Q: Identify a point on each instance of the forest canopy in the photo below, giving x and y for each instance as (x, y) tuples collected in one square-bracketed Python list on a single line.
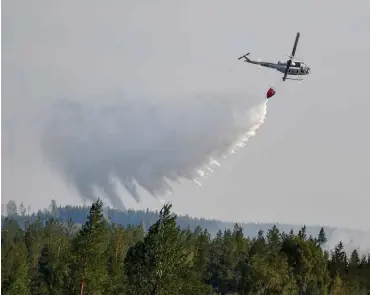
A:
[(51, 254)]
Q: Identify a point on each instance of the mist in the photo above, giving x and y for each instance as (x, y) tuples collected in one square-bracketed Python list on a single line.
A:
[(145, 142)]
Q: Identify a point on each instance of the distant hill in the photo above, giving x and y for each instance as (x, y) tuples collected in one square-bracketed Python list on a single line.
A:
[(350, 238), (135, 217)]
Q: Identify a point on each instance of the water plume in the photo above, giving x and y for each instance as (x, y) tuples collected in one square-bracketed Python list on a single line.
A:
[(145, 143)]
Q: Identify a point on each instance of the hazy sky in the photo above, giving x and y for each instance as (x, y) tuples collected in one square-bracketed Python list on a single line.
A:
[(309, 162)]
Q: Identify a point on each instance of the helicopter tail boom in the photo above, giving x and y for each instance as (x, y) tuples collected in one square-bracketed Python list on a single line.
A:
[(245, 56)]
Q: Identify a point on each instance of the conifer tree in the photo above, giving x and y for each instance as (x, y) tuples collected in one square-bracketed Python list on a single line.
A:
[(118, 248), (161, 264), (355, 258), (322, 237), (90, 253)]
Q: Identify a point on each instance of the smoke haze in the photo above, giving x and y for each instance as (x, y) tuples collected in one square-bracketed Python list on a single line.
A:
[(351, 239), (138, 142), (309, 164)]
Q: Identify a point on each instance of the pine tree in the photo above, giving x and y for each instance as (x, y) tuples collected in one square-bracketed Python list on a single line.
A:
[(338, 262), (322, 237), (355, 258), (215, 256), (90, 253), (302, 234), (117, 252), (274, 239), (354, 283), (161, 264), (314, 274), (202, 255)]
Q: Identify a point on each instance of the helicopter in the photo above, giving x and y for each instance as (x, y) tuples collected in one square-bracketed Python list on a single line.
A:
[(290, 67)]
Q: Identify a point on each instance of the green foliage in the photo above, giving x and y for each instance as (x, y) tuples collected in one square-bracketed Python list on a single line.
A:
[(146, 218), (53, 208), (322, 237), (52, 257), (90, 252), (161, 263), (118, 246), (14, 269)]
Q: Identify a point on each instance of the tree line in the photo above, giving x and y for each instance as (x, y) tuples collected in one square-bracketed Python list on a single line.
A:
[(147, 217), (101, 257)]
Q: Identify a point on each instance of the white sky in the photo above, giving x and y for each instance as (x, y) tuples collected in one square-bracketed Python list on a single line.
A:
[(310, 161)]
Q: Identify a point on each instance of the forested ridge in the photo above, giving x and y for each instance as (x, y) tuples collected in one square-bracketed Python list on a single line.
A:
[(78, 214), (50, 255)]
